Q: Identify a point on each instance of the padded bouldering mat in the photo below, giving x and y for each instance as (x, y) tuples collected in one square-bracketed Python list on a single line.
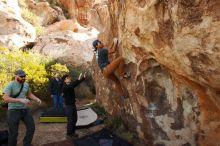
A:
[(101, 138), (85, 117)]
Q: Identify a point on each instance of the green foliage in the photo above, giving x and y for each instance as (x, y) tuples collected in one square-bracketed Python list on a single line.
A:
[(58, 68), (33, 64)]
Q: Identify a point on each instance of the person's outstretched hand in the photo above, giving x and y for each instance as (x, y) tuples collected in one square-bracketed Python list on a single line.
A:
[(80, 76), (115, 40), (38, 101)]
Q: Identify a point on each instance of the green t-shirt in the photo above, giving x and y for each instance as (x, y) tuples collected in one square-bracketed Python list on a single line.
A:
[(12, 89)]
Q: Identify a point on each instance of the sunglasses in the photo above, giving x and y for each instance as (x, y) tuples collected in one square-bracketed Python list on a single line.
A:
[(22, 76)]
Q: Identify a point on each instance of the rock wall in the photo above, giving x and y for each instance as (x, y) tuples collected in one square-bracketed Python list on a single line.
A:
[(67, 46), (45, 12), (172, 49), (88, 13)]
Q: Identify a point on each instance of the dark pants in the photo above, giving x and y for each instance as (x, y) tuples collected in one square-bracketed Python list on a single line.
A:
[(14, 117), (71, 113), (57, 102)]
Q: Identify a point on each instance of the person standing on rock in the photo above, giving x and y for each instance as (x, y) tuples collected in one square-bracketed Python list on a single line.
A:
[(109, 68), (69, 96), (15, 94), (56, 92)]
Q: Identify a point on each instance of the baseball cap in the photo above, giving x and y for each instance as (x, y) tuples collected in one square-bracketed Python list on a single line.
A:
[(20, 72)]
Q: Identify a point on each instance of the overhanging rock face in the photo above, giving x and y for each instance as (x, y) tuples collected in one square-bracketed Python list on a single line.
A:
[(172, 50)]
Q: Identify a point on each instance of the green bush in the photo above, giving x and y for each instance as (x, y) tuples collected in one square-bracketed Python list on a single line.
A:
[(58, 68), (35, 65), (32, 64)]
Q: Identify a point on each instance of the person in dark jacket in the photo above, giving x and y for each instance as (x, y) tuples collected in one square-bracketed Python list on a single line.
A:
[(69, 96), (56, 92)]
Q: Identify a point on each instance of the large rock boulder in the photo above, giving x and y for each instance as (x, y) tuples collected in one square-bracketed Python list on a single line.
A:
[(14, 30), (67, 46), (88, 13), (46, 13), (63, 25), (172, 49), (70, 6), (99, 17)]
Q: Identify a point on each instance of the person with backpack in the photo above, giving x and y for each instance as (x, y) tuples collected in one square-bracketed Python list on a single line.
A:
[(15, 94), (109, 68)]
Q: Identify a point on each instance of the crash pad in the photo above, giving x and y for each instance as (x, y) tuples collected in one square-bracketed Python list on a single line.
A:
[(101, 138), (85, 117)]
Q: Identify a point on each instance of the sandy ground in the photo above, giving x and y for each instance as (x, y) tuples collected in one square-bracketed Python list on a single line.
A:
[(51, 132), (46, 133)]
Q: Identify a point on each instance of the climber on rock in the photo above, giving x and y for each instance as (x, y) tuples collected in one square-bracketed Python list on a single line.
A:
[(109, 68)]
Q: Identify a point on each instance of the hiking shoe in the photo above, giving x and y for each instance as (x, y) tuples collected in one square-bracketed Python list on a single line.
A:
[(124, 97)]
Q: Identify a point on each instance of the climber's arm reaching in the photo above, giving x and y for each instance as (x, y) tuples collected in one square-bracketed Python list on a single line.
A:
[(113, 46)]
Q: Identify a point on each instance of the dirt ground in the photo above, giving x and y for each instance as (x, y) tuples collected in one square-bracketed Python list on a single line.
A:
[(46, 133)]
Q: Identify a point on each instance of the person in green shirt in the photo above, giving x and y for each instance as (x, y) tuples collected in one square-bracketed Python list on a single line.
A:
[(15, 94)]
